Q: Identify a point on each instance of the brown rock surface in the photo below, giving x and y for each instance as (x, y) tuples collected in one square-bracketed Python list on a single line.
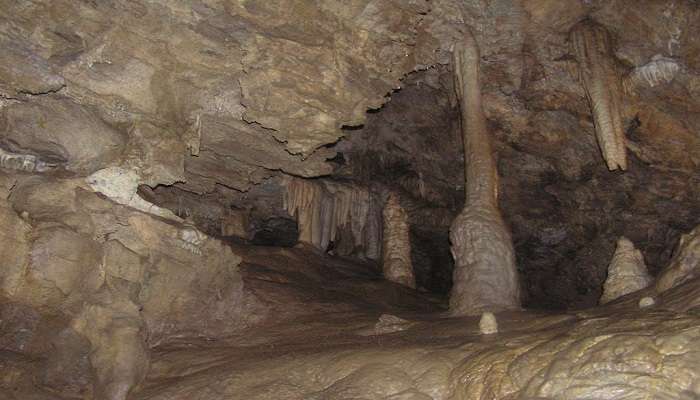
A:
[(396, 244), (136, 135)]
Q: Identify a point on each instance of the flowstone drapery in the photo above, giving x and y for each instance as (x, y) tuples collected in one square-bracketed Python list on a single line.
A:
[(485, 277), (328, 212), (396, 250), (591, 45)]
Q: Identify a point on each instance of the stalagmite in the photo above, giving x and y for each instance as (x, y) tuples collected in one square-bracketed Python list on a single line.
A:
[(488, 325), (324, 209), (627, 272), (591, 45), (485, 277), (396, 250), (647, 301)]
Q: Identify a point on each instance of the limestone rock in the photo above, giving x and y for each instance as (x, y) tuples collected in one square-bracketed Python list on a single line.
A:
[(156, 152), (396, 249), (120, 185), (684, 265), (213, 103), (113, 271), (235, 223), (203, 74), (24, 71), (60, 264), (59, 131), (117, 336), (68, 370), (627, 272), (14, 249)]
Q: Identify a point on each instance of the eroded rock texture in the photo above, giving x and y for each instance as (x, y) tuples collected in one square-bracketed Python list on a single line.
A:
[(119, 278), (685, 264), (485, 277), (147, 150), (396, 244)]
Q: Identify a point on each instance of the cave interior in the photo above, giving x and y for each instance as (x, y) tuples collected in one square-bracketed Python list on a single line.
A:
[(214, 199)]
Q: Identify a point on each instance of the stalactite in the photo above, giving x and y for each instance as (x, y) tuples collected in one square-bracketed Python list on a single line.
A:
[(396, 249), (660, 70), (627, 272), (485, 277), (591, 45), (323, 209), (23, 162)]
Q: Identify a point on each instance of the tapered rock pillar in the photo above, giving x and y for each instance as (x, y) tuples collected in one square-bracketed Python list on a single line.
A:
[(396, 250), (591, 45), (627, 272), (485, 277)]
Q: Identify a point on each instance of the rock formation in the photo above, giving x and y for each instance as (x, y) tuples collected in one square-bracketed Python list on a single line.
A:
[(329, 212), (658, 71), (592, 47), (685, 264), (627, 272), (121, 185), (151, 153), (485, 277), (488, 325), (396, 245), (121, 279), (647, 301)]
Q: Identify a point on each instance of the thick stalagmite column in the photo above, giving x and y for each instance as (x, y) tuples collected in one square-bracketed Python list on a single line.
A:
[(396, 250), (592, 48), (485, 277)]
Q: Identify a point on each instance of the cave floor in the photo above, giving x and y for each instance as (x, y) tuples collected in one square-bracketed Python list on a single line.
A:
[(341, 332)]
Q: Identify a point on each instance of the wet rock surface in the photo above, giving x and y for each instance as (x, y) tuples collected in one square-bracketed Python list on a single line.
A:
[(425, 356)]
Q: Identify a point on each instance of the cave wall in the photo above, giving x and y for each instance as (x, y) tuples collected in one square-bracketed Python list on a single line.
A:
[(212, 103), (136, 135), (185, 87), (566, 210)]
